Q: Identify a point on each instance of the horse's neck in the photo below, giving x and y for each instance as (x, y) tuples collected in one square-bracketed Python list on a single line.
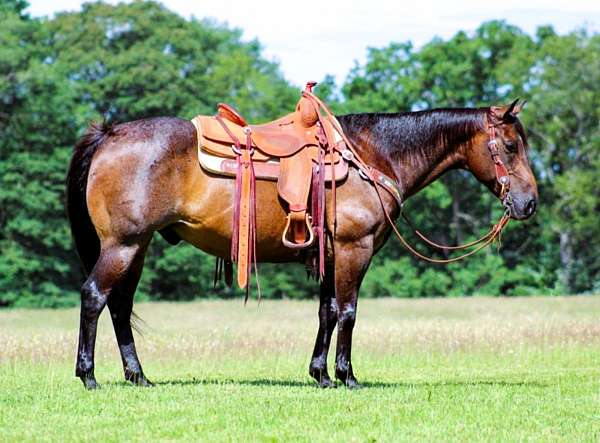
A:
[(413, 174), (416, 167)]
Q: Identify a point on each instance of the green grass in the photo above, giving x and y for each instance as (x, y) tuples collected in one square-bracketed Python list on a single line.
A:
[(446, 369)]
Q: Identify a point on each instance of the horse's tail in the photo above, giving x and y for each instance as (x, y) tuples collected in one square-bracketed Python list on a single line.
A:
[(82, 229)]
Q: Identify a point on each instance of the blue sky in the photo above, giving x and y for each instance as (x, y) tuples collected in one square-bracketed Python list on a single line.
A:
[(330, 38)]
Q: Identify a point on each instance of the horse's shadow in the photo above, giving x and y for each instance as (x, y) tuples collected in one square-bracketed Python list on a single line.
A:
[(364, 385)]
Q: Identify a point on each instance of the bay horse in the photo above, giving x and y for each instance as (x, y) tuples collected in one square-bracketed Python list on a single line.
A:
[(129, 180)]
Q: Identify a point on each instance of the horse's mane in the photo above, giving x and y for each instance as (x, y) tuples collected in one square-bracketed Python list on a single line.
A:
[(422, 134)]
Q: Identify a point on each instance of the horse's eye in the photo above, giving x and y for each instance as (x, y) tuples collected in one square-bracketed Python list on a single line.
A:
[(511, 146)]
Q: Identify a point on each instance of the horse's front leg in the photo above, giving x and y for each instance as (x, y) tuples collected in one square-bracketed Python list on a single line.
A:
[(351, 262), (328, 316)]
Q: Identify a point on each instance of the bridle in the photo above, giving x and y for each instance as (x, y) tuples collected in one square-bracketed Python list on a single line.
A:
[(374, 176), (502, 174)]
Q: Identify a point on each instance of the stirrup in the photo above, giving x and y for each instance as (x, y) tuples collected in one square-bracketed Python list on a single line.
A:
[(293, 245)]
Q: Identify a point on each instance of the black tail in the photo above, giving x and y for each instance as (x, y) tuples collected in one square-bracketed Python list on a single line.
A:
[(82, 229)]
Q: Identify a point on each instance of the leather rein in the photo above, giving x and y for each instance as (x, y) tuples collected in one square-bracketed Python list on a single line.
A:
[(380, 180)]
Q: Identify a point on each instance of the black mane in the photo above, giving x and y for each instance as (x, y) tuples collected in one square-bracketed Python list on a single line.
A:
[(426, 134)]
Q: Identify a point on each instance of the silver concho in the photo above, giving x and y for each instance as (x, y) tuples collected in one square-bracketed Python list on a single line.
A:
[(347, 155)]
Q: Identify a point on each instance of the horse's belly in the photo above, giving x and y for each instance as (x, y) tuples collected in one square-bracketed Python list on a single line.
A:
[(209, 220)]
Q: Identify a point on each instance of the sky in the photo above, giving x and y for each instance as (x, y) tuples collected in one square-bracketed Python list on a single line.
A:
[(335, 35)]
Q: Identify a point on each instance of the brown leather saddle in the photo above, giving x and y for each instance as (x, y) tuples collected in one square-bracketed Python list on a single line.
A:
[(301, 151)]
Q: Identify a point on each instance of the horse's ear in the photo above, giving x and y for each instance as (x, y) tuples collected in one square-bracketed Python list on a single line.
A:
[(507, 114), (513, 110), (519, 107)]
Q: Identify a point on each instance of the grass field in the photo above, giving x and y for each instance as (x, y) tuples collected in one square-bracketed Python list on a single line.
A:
[(438, 369)]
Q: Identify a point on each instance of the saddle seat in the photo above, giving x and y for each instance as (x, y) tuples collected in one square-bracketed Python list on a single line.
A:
[(279, 138)]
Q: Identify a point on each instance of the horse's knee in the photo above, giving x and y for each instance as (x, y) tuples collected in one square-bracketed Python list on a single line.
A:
[(347, 316), (92, 299), (333, 310)]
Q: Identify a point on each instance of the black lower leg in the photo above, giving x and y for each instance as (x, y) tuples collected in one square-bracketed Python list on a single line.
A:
[(120, 312), (92, 304), (113, 280), (120, 304), (327, 322), (343, 360)]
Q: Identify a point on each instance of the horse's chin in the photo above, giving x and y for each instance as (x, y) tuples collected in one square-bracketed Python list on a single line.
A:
[(518, 217)]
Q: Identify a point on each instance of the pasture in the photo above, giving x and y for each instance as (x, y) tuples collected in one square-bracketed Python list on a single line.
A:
[(431, 369)]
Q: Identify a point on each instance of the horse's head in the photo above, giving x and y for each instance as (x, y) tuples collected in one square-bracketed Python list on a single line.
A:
[(505, 146)]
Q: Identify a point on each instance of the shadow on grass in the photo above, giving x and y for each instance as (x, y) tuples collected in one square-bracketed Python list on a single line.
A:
[(364, 385)]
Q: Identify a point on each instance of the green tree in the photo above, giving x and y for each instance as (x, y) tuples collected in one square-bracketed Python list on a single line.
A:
[(566, 134)]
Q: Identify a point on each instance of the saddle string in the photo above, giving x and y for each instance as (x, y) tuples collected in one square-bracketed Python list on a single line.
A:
[(320, 192), (251, 258), (238, 189), (502, 176)]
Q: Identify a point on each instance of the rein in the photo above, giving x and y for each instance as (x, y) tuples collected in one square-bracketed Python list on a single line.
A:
[(374, 176)]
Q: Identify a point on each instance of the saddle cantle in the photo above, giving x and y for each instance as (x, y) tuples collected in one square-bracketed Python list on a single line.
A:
[(301, 151)]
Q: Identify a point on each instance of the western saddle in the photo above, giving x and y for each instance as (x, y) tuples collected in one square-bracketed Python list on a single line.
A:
[(301, 151)]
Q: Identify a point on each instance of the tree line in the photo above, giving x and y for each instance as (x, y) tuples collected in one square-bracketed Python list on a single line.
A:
[(138, 60)]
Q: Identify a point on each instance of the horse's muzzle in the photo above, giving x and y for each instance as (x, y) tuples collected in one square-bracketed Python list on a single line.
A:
[(521, 208)]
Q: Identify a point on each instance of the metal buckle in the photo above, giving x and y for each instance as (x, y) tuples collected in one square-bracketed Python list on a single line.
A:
[(347, 155), (239, 151)]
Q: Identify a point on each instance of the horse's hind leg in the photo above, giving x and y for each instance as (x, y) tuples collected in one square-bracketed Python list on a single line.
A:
[(120, 305), (111, 274), (327, 322)]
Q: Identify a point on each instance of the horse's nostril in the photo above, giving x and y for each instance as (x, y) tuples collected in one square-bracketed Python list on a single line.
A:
[(530, 208)]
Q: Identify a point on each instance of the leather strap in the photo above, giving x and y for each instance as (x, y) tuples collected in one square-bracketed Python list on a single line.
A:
[(502, 175), (243, 257), (243, 241)]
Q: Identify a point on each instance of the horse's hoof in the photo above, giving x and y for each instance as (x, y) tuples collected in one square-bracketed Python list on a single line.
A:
[(321, 376), (90, 383), (351, 383), (145, 383), (326, 383), (347, 379), (138, 379)]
